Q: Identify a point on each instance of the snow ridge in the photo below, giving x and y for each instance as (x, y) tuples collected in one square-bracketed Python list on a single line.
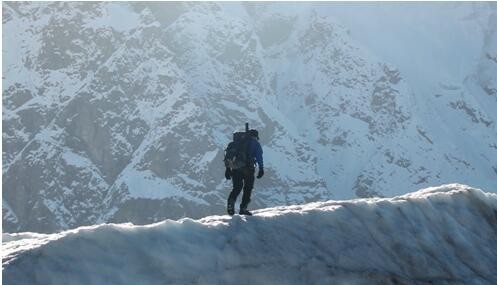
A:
[(442, 235)]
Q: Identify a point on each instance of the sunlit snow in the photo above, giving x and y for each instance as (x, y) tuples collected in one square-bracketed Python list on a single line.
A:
[(440, 235)]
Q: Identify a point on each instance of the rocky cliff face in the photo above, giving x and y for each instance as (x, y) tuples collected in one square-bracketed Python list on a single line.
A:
[(111, 120)]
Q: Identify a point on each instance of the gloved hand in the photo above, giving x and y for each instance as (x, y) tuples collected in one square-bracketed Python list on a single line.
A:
[(261, 173), (227, 173)]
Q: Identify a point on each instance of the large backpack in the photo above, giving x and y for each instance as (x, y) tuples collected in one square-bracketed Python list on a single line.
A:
[(236, 154)]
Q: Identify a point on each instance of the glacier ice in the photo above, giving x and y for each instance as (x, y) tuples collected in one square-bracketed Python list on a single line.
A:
[(438, 235)]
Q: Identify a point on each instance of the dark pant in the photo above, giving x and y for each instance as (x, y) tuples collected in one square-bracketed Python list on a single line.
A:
[(242, 178)]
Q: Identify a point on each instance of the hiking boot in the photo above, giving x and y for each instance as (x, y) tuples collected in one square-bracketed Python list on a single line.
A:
[(245, 212), (231, 208)]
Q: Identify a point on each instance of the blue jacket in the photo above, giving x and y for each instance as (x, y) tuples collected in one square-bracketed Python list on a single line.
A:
[(255, 152)]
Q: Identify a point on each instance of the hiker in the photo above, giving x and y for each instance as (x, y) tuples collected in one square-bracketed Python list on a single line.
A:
[(250, 150)]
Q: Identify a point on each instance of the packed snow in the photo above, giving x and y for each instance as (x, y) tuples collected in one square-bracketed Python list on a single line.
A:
[(442, 235)]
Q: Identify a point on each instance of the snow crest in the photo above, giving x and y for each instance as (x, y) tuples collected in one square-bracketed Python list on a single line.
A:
[(442, 235)]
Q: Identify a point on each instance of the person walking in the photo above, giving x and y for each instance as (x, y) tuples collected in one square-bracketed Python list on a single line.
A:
[(243, 177)]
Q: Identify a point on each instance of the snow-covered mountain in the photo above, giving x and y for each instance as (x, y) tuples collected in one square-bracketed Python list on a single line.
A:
[(106, 120), (442, 235)]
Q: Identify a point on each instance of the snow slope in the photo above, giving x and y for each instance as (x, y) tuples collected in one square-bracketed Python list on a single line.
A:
[(442, 235)]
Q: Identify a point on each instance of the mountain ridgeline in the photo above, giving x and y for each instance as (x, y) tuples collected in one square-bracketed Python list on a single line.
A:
[(106, 120)]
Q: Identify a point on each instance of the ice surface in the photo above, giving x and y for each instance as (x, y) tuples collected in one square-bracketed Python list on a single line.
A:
[(439, 235)]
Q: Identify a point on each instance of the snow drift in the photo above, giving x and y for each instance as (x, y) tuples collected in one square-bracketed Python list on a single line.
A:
[(442, 235)]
